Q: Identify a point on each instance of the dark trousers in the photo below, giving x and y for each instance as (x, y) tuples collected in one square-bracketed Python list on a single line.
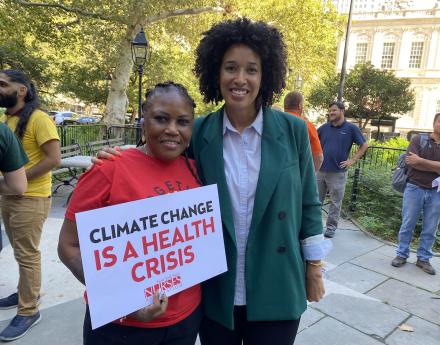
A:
[(248, 332), (182, 333)]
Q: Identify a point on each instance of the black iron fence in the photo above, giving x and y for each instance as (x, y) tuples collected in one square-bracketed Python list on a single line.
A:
[(379, 157), (372, 174), (82, 134), (129, 133)]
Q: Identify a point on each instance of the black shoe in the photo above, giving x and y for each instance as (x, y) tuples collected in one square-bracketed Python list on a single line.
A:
[(12, 301), (398, 261), (19, 326)]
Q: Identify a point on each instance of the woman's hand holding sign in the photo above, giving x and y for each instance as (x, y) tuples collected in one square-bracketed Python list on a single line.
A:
[(158, 308)]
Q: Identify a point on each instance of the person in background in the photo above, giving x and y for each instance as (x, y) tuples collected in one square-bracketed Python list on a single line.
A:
[(337, 137), (24, 215), (294, 104), (12, 160), (420, 197), (169, 114)]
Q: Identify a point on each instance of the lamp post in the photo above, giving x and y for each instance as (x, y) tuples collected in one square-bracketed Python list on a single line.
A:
[(139, 54), (344, 59)]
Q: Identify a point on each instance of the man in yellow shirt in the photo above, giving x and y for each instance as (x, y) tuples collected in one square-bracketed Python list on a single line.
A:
[(24, 215)]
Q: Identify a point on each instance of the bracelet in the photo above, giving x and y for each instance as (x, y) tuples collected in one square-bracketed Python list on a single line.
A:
[(316, 264)]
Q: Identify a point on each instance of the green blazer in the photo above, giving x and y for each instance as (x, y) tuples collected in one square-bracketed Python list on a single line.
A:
[(286, 210)]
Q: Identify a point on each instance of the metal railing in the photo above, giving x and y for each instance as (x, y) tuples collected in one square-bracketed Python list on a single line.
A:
[(129, 133), (372, 170), (380, 157), (82, 134)]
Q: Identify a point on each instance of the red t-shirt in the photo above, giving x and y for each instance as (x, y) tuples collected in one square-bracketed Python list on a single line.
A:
[(132, 177)]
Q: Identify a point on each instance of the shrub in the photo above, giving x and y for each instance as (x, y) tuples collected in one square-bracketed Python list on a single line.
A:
[(378, 207)]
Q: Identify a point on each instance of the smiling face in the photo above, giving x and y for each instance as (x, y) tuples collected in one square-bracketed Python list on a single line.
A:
[(240, 78), (168, 125), (335, 114)]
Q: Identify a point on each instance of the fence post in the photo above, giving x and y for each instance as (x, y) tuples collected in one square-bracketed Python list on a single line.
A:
[(354, 189), (63, 136)]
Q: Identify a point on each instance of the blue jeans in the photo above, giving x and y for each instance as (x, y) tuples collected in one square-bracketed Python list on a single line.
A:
[(418, 200)]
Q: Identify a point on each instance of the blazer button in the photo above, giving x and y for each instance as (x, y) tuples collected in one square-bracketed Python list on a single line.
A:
[(281, 249), (281, 215)]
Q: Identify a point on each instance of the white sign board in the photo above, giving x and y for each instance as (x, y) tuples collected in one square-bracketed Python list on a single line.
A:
[(169, 242)]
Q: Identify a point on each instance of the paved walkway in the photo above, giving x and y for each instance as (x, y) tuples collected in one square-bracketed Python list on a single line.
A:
[(367, 299)]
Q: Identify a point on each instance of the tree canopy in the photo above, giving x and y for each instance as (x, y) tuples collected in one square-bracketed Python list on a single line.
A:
[(82, 49), (370, 93)]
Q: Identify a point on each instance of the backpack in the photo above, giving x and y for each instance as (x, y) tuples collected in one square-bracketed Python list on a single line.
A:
[(399, 177)]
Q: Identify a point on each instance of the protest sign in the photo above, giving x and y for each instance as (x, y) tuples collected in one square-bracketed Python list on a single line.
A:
[(169, 242)]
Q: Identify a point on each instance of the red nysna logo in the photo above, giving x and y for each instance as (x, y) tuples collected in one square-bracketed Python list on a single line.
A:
[(168, 284)]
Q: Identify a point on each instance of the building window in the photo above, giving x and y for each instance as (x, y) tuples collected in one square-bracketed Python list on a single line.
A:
[(388, 55), (415, 58), (361, 53)]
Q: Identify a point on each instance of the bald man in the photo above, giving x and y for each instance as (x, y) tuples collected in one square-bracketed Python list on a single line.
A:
[(294, 104)]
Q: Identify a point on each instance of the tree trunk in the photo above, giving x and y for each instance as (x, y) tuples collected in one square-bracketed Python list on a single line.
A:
[(117, 100), (365, 123)]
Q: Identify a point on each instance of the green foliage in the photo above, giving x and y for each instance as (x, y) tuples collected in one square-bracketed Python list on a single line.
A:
[(75, 52), (378, 206), (394, 143), (370, 93)]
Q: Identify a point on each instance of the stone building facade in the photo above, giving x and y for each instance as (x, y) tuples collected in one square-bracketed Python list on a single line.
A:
[(402, 36)]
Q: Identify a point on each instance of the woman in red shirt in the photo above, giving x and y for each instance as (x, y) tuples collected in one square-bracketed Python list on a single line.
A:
[(155, 168)]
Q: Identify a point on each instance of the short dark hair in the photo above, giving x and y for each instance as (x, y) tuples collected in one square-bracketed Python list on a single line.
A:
[(265, 40), (293, 100), (166, 86), (436, 117), (340, 105)]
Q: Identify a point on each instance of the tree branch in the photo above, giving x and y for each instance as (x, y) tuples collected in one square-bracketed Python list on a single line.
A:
[(183, 12), (78, 11)]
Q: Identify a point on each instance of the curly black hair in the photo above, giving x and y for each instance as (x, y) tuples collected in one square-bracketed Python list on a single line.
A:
[(263, 39)]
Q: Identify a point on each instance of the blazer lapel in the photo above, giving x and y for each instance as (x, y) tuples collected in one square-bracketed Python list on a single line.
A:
[(214, 170), (272, 157)]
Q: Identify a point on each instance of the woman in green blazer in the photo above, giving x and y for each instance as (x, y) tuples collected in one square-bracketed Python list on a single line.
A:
[(262, 163)]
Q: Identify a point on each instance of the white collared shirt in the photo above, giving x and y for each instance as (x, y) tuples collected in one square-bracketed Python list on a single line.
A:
[(242, 158)]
